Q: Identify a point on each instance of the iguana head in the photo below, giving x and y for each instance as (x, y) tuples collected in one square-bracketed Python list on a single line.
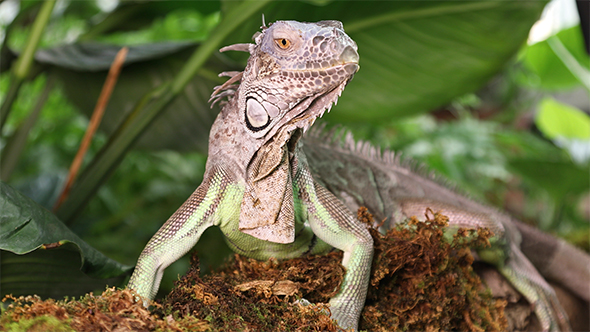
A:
[(296, 63), (295, 72)]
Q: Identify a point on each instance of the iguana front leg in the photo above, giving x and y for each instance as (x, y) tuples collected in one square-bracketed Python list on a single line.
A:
[(333, 222), (179, 234)]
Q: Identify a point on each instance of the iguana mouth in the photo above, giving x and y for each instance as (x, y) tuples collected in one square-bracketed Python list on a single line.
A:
[(349, 67), (347, 61)]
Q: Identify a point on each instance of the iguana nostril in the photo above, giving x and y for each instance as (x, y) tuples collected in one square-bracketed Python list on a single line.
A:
[(351, 68), (349, 55)]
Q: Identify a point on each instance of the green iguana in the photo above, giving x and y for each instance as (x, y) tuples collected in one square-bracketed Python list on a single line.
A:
[(275, 195)]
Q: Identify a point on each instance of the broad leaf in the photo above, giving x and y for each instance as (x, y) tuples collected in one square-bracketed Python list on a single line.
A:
[(567, 126), (415, 56), (556, 119), (49, 274), (25, 226), (559, 178), (94, 57)]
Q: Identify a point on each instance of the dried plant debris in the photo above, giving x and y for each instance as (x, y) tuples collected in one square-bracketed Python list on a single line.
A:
[(249, 295), (422, 280), (114, 310)]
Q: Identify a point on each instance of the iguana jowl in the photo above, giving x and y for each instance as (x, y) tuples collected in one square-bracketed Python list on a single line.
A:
[(260, 190)]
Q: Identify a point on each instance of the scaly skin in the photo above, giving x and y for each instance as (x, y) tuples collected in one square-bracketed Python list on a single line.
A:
[(270, 202), (361, 175), (258, 187)]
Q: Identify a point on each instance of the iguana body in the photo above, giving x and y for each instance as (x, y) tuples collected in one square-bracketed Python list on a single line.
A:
[(259, 189)]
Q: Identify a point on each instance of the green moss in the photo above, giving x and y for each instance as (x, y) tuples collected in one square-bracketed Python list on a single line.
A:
[(38, 324)]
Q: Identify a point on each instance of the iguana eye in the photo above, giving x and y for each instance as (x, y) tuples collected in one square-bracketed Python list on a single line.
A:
[(283, 43)]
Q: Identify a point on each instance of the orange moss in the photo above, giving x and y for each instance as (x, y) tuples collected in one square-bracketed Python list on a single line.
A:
[(113, 310), (419, 282), (260, 296)]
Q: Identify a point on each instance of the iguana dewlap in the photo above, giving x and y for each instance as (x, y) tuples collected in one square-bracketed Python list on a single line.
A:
[(259, 189)]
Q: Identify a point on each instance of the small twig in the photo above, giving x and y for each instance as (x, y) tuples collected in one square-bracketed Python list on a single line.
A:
[(97, 114)]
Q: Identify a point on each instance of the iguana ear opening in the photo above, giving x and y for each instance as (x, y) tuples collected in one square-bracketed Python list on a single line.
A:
[(259, 115), (256, 116)]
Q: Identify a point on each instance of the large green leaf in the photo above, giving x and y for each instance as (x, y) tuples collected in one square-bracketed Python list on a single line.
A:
[(49, 274), (25, 226), (559, 178), (415, 55), (558, 120), (95, 57)]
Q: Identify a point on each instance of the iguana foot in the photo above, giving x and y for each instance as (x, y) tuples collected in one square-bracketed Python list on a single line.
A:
[(343, 316), (344, 320), (525, 278), (338, 315)]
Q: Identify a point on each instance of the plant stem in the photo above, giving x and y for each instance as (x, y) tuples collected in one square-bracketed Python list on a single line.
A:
[(569, 61), (22, 65), (95, 120), (18, 141), (230, 22)]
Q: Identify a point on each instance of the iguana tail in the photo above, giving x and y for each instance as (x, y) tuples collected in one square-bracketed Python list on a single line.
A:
[(557, 260)]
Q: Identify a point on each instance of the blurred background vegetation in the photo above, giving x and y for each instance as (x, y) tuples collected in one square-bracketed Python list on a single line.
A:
[(464, 87)]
